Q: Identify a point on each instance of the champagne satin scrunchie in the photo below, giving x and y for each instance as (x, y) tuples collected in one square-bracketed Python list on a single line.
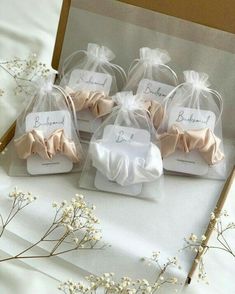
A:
[(156, 112), (97, 102), (34, 142), (203, 140), (117, 166)]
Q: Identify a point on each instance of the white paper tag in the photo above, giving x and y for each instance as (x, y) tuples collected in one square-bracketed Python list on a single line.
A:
[(48, 122), (89, 80), (122, 139), (188, 119), (153, 90), (92, 81)]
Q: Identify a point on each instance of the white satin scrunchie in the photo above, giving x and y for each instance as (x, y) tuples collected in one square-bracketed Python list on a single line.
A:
[(119, 168)]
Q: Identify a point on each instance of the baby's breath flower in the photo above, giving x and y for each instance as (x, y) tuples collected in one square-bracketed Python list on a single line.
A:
[(106, 284), (212, 215), (25, 72), (200, 249), (193, 238), (175, 280), (203, 238), (55, 204), (74, 223), (20, 200)]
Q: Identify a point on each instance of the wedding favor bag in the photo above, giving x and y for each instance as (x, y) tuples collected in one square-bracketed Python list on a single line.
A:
[(191, 132), (152, 79), (150, 75), (122, 157), (89, 77), (45, 139)]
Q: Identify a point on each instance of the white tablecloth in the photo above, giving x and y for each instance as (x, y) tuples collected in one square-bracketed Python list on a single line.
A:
[(29, 26)]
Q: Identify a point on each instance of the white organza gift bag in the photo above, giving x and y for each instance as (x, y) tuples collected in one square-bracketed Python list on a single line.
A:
[(90, 77), (150, 76), (96, 59), (191, 132), (46, 141), (122, 157)]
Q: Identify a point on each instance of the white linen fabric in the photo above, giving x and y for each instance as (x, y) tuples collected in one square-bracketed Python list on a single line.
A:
[(30, 27)]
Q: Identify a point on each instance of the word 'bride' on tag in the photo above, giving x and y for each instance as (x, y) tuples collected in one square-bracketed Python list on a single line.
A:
[(122, 157), (129, 144)]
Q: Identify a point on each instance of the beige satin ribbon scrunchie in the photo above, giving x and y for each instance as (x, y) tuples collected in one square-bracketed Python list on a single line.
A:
[(33, 142), (117, 166), (97, 102), (156, 112), (203, 140)]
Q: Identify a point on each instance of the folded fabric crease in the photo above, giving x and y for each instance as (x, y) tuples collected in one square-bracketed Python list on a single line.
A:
[(156, 112)]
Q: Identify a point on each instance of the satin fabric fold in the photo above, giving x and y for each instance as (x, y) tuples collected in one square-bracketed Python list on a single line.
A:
[(119, 168), (33, 142), (97, 102), (202, 140), (156, 112)]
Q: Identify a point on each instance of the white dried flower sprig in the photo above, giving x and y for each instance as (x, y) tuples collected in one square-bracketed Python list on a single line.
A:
[(200, 247), (163, 277), (106, 283), (24, 72), (20, 201), (73, 226)]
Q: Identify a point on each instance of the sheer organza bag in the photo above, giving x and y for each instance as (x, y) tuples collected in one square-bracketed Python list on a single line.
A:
[(46, 140), (89, 76), (122, 157), (152, 79), (190, 135), (150, 75)]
